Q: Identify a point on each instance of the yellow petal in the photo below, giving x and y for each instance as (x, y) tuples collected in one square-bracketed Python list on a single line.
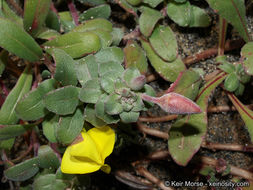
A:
[(104, 137), (106, 168), (77, 165), (87, 149)]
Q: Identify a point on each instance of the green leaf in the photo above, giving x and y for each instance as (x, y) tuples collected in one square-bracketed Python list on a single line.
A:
[(234, 12), (107, 81), (231, 82), (105, 37), (10, 131), (70, 127), (109, 67), (164, 43), (101, 11), (23, 170), (247, 54), (66, 21), (47, 34), (23, 85), (133, 78), (35, 13), (7, 144), (109, 54), (86, 69), (49, 181), (93, 2), (15, 40), (117, 35), (47, 158), (112, 105), (168, 70), (31, 106), (187, 15), (8, 13), (129, 117), (65, 71), (246, 113), (100, 111), (90, 116), (152, 3), (227, 67), (76, 44), (148, 19), (135, 57), (187, 133), (3, 60), (188, 84), (90, 91), (52, 21), (62, 101), (241, 74), (49, 125), (94, 24), (134, 2)]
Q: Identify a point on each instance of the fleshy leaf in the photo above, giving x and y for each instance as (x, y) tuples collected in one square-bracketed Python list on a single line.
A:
[(86, 69), (10, 131), (133, 78), (49, 127), (108, 79), (187, 15), (187, 84), (148, 19), (100, 111), (90, 116), (105, 37), (90, 92), (7, 112), (76, 44), (35, 13), (110, 67), (117, 35), (164, 43), (62, 101), (94, 24), (135, 57), (47, 157), (47, 34), (53, 21), (168, 70), (246, 113), (65, 68), (113, 54), (112, 105), (8, 13), (101, 11), (49, 181), (129, 117), (15, 40), (66, 21), (234, 12), (247, 54), (152, 3), (187, 133), (31, 106), (231, 82), (23, 170), (69, 127)]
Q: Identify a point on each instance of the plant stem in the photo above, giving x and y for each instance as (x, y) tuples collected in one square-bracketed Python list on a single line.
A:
[(126, 8), (229, 46), (73, 12), (154, 132), (230, 147), (24, 154), (158, 119), (222, 35), (145, 173)]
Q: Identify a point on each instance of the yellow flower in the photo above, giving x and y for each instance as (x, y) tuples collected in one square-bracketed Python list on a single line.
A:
[(89, 155)]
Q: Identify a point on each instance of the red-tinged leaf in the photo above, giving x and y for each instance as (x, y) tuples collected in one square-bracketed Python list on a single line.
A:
[(234, 12), (174, 103), (246, 113), (247, 54), (187, 133), (35, 13)]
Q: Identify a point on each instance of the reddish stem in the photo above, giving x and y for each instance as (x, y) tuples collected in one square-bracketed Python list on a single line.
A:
[(73, 12), (230, 147), (154, 132)]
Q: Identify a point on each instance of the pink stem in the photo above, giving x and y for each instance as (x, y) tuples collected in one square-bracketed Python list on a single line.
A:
[(73, 12), (149, 98)]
